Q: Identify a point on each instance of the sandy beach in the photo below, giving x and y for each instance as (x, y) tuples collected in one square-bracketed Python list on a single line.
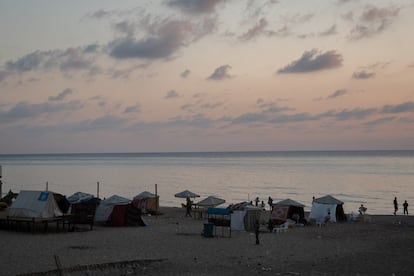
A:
[(172, 244)]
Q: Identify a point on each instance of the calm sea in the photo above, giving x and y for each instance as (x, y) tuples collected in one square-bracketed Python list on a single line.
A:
[(372, 178)]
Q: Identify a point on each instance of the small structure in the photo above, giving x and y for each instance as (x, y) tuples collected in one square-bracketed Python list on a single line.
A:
[(244, 216), (147, 202), (83, 208), (36, 207), (118, 211), (287, 209), (327, 208), (220, 217)]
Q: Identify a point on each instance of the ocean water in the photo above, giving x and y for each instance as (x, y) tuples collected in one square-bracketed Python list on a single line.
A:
[(372, 178)]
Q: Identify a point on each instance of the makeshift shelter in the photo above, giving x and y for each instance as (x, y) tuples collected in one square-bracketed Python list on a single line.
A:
[(244, 216), (327, 204), (287, 209), (83, 208), (118, 211), (35, 204), (147, 202)]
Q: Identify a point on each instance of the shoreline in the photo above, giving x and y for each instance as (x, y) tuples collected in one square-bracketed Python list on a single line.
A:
[(172, 244)]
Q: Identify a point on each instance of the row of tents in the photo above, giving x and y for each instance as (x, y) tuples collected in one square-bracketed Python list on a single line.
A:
[(85, 208), (120, 211), (244, 214)]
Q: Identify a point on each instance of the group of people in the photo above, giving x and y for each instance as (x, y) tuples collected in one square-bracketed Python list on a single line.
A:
[(262, 204), (405, 207)]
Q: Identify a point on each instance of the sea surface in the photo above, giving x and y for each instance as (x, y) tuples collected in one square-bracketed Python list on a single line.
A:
[(372, 178)]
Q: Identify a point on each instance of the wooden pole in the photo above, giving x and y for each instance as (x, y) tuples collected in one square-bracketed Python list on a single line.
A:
[(58, 265), (97, 189), (156, 197), (1, 183)]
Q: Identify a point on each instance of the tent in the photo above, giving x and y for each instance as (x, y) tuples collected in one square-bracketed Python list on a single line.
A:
[(83, 208), (35, 204), (327, 204), (244, 216), (147, 202), (106, 206), (118, 211), (79, 197), (287, 209), (210, 201)]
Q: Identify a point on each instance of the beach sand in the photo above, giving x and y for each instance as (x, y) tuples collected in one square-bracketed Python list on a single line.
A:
[(172, 244)]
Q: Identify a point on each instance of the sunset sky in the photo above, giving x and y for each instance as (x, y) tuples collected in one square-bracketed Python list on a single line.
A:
[(206, 75)]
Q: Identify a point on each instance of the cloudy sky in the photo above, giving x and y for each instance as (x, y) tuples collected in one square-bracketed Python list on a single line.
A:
[(206, 75)]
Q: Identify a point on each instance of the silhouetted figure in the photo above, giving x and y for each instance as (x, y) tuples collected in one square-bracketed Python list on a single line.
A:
[(256, 230), (257, 201), (395, 206), (405, 205), (188, 207), (270, 202), (362, 210)]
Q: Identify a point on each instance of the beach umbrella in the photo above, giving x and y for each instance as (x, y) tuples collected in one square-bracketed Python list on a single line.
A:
[(211, 201), (185, 194)]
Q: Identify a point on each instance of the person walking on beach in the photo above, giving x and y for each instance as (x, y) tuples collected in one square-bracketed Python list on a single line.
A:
[(405, 205), (395, 206)]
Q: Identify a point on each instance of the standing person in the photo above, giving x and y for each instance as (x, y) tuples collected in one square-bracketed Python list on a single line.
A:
[(405, 205), (270, 202), (395, 206), (188, 207), (256, 230), (257, 201)]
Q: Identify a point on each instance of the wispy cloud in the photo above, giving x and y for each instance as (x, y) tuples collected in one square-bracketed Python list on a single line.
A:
[(171, 94), (185, 73), (361, 75), (195, 6), (221, 73), (373, 21), (62, 95), (337, 93), (399, 108), (313, 60), (255, 31), (133, 109)]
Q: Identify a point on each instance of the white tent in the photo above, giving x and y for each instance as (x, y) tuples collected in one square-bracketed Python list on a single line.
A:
[(35, 204), (237, 220), (321, 206), (106, 206)]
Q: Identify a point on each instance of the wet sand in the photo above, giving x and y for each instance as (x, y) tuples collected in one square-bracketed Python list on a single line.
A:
[(172, 244)]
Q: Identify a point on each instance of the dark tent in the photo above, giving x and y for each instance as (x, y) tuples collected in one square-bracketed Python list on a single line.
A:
[(287, 209)]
